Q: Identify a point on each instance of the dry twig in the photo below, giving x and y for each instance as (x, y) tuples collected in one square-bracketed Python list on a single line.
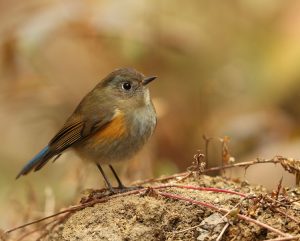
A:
[(274, 204), (223, 210), (289, 165)]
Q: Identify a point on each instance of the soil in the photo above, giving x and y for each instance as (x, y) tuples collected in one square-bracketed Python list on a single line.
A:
[(151, 216)]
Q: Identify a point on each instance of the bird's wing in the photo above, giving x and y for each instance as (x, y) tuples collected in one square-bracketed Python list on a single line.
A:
[(74, 130)]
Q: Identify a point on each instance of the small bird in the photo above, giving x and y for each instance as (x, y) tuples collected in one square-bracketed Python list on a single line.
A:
[(111, 123)]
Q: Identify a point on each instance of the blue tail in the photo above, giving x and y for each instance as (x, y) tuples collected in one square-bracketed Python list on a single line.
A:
[(37, 161)]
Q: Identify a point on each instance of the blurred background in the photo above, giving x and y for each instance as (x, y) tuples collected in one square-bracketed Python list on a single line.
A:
[(226, 68)]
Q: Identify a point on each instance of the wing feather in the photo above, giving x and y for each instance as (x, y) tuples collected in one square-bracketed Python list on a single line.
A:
[(74, 130), (67, 136), (86, 120)]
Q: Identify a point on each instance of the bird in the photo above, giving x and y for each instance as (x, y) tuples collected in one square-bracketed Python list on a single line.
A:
[(111, 123)]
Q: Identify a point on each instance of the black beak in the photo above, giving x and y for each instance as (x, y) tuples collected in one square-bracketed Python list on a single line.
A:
[(148, 80)]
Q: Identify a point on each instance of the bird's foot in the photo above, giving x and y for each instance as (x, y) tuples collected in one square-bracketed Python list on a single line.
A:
[(105, 192), (122, 189)]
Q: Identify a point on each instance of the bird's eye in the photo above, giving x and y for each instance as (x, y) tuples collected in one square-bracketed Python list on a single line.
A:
[(126, 86)]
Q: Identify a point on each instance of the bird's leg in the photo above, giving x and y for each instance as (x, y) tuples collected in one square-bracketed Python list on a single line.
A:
[(120, 184), (111, 189)]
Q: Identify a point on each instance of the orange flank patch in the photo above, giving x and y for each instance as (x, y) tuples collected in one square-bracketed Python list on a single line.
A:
[(115, 129)]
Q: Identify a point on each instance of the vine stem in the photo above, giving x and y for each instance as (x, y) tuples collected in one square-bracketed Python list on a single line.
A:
[(223, 210), (169, 195), (275, 160)]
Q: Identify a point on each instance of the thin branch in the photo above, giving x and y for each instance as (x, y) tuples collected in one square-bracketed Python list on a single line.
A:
[(75, 208), (58, 221), (208, 205), (35, 230), (284, 239), (222, 232), (104, 199), (206, 144), (208, 189), (223, 210), (274, 160)]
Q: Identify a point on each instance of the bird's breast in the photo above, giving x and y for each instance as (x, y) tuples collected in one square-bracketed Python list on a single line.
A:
[(121, 138)]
